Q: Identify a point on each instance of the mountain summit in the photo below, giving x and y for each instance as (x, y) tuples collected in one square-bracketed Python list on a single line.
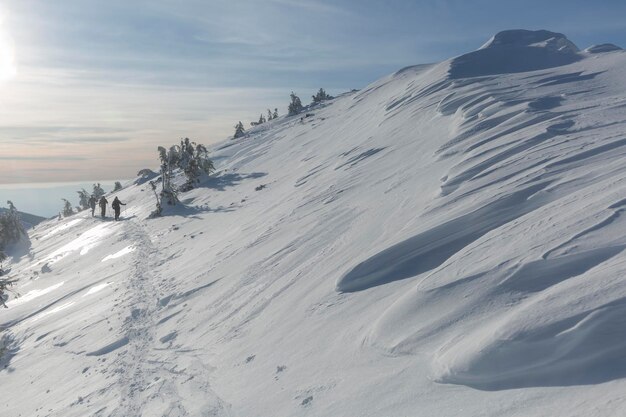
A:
[(513, 51)]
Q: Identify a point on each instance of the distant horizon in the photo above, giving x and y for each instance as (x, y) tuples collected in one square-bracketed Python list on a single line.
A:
[(44, 199)]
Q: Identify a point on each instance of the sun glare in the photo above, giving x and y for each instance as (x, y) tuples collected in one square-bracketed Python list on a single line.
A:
[(8, 69)]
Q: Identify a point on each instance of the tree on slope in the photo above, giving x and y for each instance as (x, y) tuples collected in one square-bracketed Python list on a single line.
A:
[(269, 115), (11, 228), (239, 130), (295, 106), (117, 186), (194, 161), (3, 257), (275, 115), (67, 208), (321, 96), (5, 283), (83, 199), (169, 193), (98, 191)]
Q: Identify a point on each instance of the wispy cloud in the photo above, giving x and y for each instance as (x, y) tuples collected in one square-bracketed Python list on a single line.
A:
[(39, 158)]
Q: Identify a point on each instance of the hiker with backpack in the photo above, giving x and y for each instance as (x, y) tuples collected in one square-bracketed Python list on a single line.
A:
[(116, 207), (92, 204), (103, 206)]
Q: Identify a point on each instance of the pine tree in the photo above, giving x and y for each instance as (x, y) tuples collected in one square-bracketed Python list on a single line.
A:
[(275, 115), (321, 96), (67, 208), (117, 186), (295, 106), (159, 208), (3, 257), (269, 115), (239, 130), (5, 283), (262, 119), (194, 162), (11, 228), (98, 191), (83, 199), (168, 159)]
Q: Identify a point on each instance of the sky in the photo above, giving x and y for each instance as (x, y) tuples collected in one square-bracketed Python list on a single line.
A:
[(90, 88)]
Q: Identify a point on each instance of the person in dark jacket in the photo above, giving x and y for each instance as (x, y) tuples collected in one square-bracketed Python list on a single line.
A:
[(103, 206), (92, 204), (116, 206)]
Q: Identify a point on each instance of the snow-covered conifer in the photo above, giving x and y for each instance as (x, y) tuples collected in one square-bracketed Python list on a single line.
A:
[(5, 283), (83, 199), (275, 115), (168, 160), (295, 106), (239, 130), (98, 191), (3, 257), (11, 228), (117, 186), (67, 208), (321, 96)]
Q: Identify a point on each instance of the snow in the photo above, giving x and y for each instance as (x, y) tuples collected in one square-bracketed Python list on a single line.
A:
[(448, 241), (605, 47), (122, 252), (514, 51)]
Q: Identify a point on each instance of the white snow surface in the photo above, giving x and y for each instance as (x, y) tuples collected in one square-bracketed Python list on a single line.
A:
[(449, 241)]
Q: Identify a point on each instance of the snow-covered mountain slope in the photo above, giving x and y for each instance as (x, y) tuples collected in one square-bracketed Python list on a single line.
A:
[(448, 241)]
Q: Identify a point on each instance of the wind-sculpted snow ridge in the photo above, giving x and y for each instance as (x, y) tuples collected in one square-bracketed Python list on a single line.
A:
[(535, 292), (448, 241), (515, 51), (605, 47)]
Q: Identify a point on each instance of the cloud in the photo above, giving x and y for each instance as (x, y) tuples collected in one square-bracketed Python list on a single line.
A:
[(95, 139), (40, 158)]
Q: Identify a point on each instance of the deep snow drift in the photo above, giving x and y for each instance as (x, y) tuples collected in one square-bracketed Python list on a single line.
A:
[(449, 241)]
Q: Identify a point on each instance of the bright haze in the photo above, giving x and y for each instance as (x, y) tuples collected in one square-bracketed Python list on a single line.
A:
[(88, 88)]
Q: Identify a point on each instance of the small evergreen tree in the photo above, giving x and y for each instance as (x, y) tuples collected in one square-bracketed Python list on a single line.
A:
[(83, 199), (11, 228), (194, 162), (261, 119), (117, 186), (239, 130), (145, 173), (321, 96), (295, 106), (159, 208), (5, 283), (67, 208), (269, 115), (168, 159), (275, 115), (3, 257), (98, 191)]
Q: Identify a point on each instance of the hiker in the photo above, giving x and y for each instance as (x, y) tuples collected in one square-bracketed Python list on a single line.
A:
[(103, 205), (92, 204), (116, 206)]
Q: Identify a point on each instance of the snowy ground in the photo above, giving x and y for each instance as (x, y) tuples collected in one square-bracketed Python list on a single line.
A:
[(448, 241)]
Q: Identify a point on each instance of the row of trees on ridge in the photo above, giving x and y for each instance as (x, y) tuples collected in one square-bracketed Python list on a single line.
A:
[(295, 106)]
